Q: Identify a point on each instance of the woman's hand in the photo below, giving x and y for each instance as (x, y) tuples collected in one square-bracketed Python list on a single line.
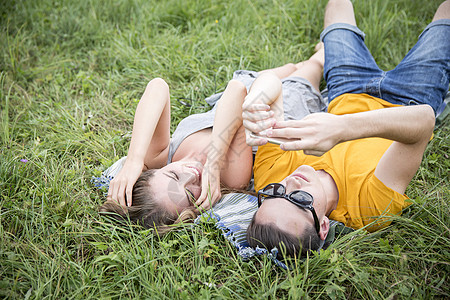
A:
[(210, 186), (256, 119), (121, 187), (315, 134)]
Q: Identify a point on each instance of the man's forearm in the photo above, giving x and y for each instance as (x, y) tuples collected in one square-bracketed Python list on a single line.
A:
[(408, 125)]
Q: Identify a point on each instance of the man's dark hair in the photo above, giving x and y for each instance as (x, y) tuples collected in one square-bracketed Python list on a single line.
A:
[(270, 236)]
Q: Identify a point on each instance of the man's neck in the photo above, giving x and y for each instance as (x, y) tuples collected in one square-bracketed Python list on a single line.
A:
[(331, 191)]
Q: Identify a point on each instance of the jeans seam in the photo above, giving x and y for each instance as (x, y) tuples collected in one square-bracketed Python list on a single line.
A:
[(383, 76)]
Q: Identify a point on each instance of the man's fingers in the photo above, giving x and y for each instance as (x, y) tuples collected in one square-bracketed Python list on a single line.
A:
[(251, 107), (290, 123), (301, 145), (314, 152), (295, 145), (289, 146), (290, 133)]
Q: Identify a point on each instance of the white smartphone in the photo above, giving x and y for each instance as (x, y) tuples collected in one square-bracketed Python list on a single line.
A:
[(276, 141)]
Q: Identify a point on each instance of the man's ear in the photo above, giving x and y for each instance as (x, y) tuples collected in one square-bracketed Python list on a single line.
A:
[(324, 227)]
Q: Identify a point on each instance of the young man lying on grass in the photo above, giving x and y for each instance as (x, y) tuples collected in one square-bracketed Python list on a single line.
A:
[(357, 159)]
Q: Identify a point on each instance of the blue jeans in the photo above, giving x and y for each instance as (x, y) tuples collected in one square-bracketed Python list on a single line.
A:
[(422, 77)]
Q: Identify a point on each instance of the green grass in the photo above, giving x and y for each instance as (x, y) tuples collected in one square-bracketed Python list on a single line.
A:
[(71, 73)]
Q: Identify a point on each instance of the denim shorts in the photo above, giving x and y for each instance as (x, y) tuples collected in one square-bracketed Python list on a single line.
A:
[(422, 77)]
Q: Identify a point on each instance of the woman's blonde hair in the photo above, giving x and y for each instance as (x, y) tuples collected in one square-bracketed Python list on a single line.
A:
[(145, 211)]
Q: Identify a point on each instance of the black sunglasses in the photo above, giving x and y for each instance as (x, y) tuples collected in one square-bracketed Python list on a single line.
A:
[(300, 198)]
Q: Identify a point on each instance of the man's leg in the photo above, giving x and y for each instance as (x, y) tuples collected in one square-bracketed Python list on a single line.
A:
[(312, 69), (301, 95), (349, 66), (443, 12), (282, 71), (422, 77), (339, 11)]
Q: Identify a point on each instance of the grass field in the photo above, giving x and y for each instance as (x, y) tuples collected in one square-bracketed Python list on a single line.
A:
[(71, 74)]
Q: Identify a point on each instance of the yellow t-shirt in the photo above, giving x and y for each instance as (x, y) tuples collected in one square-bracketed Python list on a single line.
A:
[(363, 198)]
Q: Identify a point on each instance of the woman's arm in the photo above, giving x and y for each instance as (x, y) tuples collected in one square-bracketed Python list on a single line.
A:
[(151, 127), (149, 140), (262, 107), (231, 109), (227, 120)]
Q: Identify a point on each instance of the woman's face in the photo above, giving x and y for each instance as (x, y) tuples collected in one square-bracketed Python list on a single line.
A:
[(177, 185)]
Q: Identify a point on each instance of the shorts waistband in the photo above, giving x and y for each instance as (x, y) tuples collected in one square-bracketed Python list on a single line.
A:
[(436, 23), (342, 26)]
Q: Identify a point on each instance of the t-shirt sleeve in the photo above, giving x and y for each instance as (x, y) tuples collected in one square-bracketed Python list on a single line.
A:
[(378, 203)]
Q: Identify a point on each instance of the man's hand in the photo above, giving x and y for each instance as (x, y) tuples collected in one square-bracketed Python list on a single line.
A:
[(315, 134), (121, 187), (210, 186)]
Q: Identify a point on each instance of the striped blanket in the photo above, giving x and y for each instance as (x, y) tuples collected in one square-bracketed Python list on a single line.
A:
[(232, 215)]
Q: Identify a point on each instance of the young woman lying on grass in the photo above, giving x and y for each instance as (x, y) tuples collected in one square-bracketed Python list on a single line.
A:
[(166, 180)]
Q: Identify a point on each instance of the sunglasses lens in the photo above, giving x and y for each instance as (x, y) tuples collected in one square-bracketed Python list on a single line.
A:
[(274, 189), (302, 198)]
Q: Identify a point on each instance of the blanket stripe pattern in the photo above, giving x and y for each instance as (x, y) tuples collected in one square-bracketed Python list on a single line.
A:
[(232, 215)]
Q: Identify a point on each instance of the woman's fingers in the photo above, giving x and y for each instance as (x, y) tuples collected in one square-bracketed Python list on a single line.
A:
[(121, 187), (113, 190), (121, 194), (251, 107), (210, 200), (202, 200), (210, 193), (205, 190), (121, 191), (257, 113), (202, 197), (257, 117), (258, 126), (129, 194), (253, 140)]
